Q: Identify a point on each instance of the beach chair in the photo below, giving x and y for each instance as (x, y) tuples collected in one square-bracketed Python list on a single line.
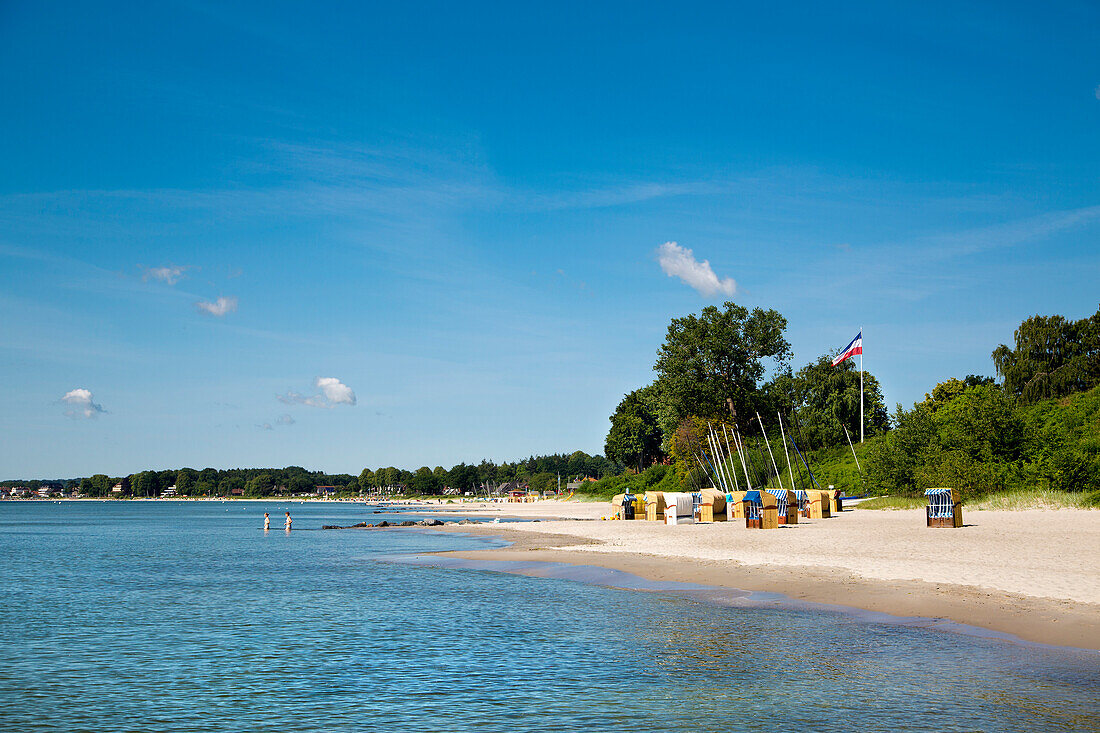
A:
[(655, 506), (639, 508), (944, 508), (817, 506), (617, 506), (786, 505), (761, 510), (679, 508), (735, 509), (627, 507), (803, 501), (714, 506), (826, 504)]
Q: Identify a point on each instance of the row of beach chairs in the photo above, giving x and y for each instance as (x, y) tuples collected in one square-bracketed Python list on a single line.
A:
[(765, 509)]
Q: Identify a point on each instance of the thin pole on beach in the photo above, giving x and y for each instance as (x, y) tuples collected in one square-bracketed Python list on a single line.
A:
[(700, 462), (787, 452), (716, 456), (726, 434), (717, 481), (849, 437), (760, 466), (726, 460), (768, 443), (860, 386), (741, 455)]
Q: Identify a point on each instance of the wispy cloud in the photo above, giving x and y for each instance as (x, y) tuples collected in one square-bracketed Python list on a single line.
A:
[(331, 392), (220, 307), (83, 405), (284, 419), (677, 261), (169, 274)]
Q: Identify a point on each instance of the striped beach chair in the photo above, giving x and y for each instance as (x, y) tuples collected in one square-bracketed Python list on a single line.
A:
[(944, 508)]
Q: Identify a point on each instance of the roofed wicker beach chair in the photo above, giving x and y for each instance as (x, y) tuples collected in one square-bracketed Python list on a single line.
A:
[(944, 508), (735, 509), (713, 507), (679, 508), (803, 500), (761, 510), (786, 505), (655, 506)]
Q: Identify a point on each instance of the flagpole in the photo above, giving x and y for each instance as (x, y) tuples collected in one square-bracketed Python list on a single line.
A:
[(861, 384)]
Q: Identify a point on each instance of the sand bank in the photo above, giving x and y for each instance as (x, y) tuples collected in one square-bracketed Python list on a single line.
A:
[(1033, 574)]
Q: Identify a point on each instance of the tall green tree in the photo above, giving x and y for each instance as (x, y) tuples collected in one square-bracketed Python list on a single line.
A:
[(185, 480), (97, 485), (716, 356), (635, 437), (1052, 357)]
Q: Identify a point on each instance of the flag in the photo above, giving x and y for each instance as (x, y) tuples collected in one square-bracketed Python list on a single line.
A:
[(853, 349)]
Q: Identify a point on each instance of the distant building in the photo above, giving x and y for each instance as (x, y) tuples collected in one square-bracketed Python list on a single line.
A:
[(170, 491), (324, 490), (117, 488)]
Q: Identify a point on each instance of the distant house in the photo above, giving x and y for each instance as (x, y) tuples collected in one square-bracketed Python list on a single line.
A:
[(117, 488), (236, 492), (324, 490), (579, 485), (19, 491), (170, 491)]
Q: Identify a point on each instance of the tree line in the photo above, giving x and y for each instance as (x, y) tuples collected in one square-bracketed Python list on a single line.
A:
[(540, 473)]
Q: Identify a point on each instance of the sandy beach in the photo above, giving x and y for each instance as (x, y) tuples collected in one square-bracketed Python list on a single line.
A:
[(1032, 574)]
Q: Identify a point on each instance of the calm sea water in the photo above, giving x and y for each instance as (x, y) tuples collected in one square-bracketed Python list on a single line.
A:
[(187, 617)]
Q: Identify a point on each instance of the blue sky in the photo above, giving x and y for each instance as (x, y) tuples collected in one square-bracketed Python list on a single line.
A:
[(453, 212)]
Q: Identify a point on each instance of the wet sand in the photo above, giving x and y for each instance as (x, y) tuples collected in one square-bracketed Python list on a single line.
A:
[(1032, 574)]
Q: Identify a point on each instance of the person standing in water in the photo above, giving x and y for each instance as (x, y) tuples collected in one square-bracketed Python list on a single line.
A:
[(288, 521), (267, 521)]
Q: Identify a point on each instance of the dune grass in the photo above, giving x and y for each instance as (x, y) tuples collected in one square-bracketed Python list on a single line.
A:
[(1031, 499), (1016, 500)]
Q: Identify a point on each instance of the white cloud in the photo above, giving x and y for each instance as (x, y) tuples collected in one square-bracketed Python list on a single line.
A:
[(332, 392), (83, 406), (170, 274), (677, 261), (265, 426), (335, 391), (284, 420), (219, 307)]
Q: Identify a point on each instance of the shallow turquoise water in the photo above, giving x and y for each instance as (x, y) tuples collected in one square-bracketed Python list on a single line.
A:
[(187, 617)]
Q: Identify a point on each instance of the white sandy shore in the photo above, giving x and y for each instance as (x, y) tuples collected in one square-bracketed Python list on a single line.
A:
[(1046, 554)]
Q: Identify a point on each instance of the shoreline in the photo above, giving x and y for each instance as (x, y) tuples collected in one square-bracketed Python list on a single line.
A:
[(1042, 619)]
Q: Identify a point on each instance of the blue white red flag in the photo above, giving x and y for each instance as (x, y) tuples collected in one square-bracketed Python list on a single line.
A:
[(853, 349)]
